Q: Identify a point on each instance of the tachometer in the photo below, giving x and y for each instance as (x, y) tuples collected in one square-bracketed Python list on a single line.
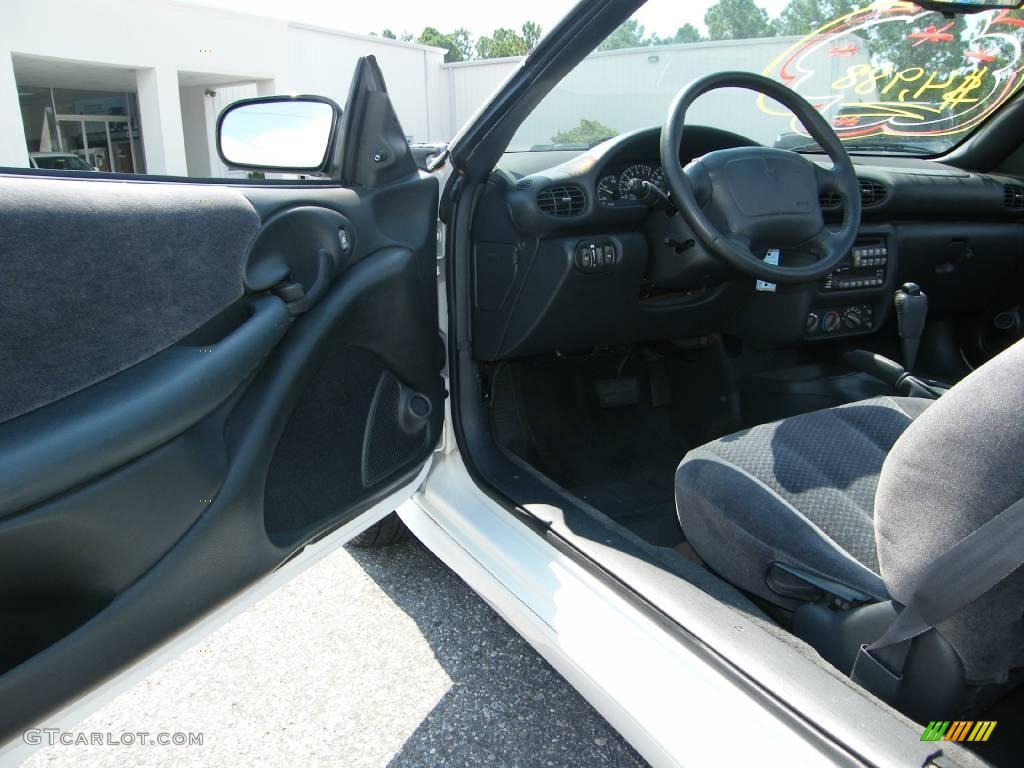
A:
[(608, 189), (641, 172)]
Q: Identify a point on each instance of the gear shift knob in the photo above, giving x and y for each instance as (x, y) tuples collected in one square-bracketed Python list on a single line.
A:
[(911, 312)]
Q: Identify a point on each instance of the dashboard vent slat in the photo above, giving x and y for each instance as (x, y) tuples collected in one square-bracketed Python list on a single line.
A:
[(1013, 197), (871, 193), (565, 200)]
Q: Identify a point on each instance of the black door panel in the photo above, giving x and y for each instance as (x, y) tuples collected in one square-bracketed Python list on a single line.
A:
[(63, 561), (133, 505), (100, 275), (99, 428)]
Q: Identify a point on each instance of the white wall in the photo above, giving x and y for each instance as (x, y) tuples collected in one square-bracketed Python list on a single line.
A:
[(466, 86)]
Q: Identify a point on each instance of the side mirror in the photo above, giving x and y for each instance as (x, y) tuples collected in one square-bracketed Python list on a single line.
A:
[(278, 133)]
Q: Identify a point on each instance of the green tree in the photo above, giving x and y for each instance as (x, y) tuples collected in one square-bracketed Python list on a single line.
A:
[(388, 34), (464, 42), (629, 34), (532, 32), (456, 44), (802, 17), (501, 43), (887, 43), (685, 34), (889, 46), (588, 132), (737, 20)]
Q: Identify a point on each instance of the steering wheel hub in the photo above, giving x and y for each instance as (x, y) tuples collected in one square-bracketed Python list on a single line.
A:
[(741, 202)]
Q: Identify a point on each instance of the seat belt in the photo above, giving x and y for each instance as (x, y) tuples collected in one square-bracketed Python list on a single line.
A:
[(958, 577)]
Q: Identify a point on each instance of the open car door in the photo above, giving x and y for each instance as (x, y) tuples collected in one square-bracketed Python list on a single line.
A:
[(198, 380)]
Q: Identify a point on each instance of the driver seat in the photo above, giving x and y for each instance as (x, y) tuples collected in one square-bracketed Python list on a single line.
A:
[(835, 514)]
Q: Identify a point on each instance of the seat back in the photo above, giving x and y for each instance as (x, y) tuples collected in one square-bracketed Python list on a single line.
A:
[(955, 468)]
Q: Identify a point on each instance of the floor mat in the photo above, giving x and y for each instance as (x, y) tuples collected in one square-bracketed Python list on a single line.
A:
[(621, 460)]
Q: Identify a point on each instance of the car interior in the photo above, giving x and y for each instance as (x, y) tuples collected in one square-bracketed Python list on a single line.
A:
[(802, 442)]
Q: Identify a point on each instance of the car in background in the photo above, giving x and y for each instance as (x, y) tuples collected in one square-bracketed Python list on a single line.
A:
[(59, 161)]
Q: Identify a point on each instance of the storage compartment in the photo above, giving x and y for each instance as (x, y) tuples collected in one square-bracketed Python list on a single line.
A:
[(961, 267), (65, 560), (329, 455)]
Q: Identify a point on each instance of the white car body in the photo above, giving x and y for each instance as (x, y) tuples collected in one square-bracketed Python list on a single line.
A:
[(38, 160)]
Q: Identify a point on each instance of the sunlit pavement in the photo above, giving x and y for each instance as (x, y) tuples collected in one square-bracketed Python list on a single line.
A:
[(369, 658)]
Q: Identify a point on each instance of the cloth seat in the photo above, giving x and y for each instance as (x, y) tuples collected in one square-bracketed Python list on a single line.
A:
[(868, 495), (799, 491)]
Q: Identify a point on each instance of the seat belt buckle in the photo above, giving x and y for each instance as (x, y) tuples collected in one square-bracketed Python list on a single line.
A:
[(872, 674)]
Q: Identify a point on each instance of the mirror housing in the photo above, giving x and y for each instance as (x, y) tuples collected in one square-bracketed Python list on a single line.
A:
[(968, 6), (291, 134)]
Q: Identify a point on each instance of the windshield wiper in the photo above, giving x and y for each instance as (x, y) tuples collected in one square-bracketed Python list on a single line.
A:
[(868, 147)]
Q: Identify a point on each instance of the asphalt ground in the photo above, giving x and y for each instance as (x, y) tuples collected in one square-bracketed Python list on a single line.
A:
[(368, 658)]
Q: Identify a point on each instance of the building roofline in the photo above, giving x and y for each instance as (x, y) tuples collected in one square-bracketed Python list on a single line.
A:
[(293, 24), (652, 49), (366, 38)]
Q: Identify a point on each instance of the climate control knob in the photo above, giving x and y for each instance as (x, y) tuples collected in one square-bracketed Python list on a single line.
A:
[(812, 323), (831, 322), (852, 319)]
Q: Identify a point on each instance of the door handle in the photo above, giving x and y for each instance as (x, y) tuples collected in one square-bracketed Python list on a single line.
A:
[(301, 300)]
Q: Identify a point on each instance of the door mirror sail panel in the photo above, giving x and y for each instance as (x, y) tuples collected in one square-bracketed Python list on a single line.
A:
[(372, 149)]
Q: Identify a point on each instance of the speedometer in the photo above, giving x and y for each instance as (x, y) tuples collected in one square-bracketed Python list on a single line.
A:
[(641, 172)]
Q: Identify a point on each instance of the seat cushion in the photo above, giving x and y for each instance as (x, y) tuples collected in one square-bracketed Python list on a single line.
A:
[(798, 491)]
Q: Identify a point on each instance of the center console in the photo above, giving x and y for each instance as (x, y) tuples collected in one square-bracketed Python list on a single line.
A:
[(854, 298)]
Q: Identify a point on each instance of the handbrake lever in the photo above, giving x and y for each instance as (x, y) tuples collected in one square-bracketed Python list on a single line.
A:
[(892, 373)]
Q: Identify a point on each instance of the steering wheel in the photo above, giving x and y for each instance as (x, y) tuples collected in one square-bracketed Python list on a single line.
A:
[(747, 198)]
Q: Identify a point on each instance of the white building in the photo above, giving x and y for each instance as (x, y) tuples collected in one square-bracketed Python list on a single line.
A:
[(145, 99)]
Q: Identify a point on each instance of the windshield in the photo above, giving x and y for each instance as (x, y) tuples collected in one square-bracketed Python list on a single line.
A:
[(891, 77)]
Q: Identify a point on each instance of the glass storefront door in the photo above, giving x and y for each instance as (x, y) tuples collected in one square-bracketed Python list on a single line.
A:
[(101, 128)]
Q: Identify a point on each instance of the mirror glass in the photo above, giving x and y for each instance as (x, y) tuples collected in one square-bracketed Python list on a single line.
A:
[(290, 134)]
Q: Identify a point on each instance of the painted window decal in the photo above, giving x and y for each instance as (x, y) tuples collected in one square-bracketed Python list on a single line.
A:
[(895, 71)]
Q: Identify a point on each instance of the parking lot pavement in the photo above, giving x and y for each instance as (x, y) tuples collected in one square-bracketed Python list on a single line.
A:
[(369, 658)]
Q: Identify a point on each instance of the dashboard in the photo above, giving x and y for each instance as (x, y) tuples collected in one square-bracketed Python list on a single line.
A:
[(566, 257)]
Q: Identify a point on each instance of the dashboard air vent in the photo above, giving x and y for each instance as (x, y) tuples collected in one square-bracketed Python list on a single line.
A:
[(872, 192), (565, 200), (1013, 197), (525, 184)]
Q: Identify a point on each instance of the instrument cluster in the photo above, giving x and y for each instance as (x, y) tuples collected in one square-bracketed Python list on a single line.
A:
[(613, 188)]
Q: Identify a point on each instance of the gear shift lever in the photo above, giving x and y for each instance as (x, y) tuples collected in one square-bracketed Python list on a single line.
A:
[(911, 313)]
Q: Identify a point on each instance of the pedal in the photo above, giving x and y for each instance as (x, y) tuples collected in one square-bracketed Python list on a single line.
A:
[(617, 393)]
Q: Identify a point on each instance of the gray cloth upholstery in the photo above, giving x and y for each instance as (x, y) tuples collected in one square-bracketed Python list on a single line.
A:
[(952, 471), (99, 275), (798, 491)]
